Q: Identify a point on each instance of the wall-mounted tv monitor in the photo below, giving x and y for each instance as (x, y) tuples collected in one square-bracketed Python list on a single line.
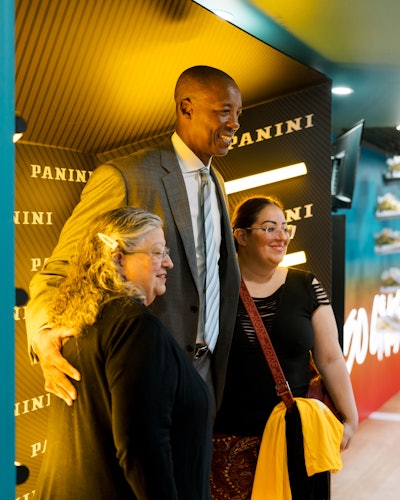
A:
[(345, 154)]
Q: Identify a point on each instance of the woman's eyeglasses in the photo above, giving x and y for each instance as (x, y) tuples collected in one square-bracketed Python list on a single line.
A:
[(273, 231), (158, 254)]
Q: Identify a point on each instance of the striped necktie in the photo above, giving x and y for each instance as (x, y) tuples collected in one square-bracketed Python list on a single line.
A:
[(211, 276)]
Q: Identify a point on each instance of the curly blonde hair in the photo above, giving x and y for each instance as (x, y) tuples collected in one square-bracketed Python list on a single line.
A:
[(93, 276)]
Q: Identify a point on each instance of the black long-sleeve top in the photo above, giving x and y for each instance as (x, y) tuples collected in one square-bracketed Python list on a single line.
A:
[(140, 427)]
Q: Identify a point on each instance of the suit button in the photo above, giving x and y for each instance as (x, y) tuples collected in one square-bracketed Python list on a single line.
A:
[(194, 309)]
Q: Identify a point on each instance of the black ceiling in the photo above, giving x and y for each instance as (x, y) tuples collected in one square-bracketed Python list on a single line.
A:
[(94, 76)]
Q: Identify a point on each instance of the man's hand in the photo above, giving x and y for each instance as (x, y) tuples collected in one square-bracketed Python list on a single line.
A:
[(47, 345)]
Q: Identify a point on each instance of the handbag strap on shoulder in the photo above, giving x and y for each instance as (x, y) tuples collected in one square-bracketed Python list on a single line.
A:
[(281, 384)]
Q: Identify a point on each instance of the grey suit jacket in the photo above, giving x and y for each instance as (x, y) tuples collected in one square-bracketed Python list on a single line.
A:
[(151, 179)]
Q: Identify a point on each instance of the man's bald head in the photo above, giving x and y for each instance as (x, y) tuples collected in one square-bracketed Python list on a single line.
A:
[(200, 78)]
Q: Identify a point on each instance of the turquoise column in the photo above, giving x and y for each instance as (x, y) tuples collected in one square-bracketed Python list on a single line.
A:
[(7, 287)]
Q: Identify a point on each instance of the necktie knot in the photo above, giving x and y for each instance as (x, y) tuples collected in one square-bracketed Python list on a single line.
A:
[(205, 176)]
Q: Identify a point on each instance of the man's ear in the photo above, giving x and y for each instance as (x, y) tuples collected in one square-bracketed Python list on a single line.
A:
[(186, 107)]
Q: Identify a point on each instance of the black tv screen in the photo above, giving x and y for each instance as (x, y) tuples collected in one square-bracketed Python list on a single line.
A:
[(345, 155)]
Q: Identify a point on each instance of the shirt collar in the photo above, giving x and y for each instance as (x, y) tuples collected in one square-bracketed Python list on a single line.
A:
[(188, 161)]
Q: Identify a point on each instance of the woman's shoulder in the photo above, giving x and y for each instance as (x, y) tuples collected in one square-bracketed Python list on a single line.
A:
[(123, 305), (126, 321), (299, 279), (295, 274), (127, 309)]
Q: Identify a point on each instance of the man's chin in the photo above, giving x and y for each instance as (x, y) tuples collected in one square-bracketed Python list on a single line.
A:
[(221, 151)]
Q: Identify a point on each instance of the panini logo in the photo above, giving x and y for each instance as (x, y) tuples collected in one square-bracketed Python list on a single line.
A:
[(271, 131), (26, 217), (60, 173)]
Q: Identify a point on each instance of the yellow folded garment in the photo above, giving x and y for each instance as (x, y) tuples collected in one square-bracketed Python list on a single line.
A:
[(322, 436), (271, 480)]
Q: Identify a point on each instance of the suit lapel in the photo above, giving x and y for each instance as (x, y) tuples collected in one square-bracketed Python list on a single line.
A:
[(223, 201), (175, 190)]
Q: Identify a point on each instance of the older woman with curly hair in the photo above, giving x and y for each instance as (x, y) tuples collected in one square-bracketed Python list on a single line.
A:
[(140, 428)]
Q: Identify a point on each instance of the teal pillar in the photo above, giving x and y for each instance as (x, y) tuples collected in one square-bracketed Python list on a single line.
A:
[(7, 247)]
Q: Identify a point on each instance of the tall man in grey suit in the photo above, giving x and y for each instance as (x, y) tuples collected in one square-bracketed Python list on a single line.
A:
[(166, 181)]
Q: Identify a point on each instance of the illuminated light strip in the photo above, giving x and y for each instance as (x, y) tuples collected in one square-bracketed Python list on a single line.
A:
[(224, 14), (279, 174), (390, 417), (293, 259)]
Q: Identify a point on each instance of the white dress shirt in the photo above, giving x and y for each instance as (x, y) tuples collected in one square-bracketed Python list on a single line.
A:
[(190, 165)]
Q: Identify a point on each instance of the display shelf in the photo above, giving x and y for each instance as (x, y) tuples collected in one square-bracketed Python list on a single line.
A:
[(387, 214), (389, 177)]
